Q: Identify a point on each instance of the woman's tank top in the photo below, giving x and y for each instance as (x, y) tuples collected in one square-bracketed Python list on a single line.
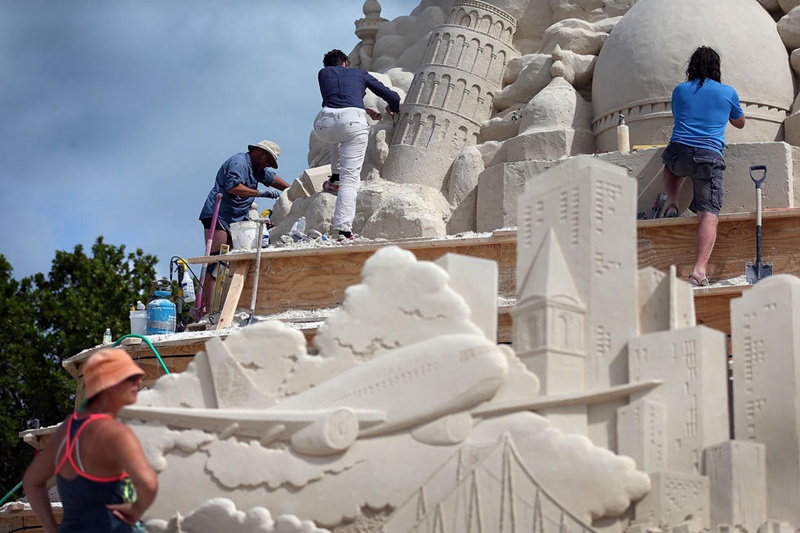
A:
[(85, 497)]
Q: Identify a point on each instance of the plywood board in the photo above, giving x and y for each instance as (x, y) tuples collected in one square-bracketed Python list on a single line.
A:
[(666, 242)]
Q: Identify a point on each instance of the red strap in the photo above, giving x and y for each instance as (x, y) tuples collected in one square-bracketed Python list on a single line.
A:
[(71, 447)]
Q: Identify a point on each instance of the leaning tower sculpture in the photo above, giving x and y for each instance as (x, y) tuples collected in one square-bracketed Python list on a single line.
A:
[(452, 92)]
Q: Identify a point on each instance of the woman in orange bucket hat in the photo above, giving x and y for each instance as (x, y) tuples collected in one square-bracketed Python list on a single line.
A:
[(103, 477)]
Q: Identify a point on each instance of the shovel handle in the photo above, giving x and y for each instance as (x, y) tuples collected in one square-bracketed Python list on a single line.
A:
[(758, 168)]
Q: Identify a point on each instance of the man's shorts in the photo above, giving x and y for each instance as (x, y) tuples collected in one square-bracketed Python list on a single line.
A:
[(221, 225), (705, 167)]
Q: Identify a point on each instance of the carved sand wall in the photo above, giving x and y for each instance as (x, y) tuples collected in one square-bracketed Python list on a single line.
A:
[(610, 413)]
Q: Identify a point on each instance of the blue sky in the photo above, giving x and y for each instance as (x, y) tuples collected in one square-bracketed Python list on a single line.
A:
[(115, 116)]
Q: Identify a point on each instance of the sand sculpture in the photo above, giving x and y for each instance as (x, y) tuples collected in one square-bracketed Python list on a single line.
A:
[(610, 413), (490, 87), (612, 410)]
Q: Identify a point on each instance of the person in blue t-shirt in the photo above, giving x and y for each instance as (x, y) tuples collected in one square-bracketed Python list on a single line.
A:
[(702, 107), (343, 124), (237, 180)]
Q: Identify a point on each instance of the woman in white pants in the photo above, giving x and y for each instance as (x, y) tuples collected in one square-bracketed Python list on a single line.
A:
[(343, 124)]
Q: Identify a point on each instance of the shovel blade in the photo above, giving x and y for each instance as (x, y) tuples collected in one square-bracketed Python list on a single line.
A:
[(757, 271), (249, 321)]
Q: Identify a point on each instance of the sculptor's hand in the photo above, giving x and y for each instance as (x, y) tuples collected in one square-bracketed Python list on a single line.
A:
[(389, 111), (373, 114)]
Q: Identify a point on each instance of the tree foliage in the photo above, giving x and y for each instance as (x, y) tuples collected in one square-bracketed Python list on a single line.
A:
[(49, 318)]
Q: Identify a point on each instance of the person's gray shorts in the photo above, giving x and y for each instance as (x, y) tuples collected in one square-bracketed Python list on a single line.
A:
[(704, 167)]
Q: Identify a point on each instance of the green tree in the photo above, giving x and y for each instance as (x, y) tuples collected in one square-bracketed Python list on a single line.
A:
[(32, 384), (82, 295), (47, 319)]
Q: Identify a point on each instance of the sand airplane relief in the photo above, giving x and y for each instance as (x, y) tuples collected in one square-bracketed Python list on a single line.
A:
[(429, 386)]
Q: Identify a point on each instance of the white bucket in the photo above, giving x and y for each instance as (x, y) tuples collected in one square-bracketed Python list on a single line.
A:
[(139, 322), (244, 235)]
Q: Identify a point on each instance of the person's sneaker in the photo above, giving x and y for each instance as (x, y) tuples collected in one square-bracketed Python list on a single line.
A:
[(331, 187), (343, 238)]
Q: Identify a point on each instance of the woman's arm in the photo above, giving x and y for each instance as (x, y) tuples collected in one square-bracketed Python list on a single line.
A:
[(132, 459)]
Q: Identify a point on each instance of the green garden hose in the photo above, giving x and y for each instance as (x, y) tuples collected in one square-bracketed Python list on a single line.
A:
[(150, 344)]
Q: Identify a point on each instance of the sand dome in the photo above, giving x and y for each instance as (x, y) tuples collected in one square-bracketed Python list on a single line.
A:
[(648, 51)]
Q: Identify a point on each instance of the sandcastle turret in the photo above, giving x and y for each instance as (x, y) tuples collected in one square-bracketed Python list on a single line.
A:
[(452, 92), (366, 29)]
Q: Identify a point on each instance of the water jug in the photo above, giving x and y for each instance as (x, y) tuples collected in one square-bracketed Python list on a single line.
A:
[(138, 322), (161, 314)]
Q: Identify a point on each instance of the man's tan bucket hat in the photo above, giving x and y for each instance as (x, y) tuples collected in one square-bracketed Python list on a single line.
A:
[(270, 147)]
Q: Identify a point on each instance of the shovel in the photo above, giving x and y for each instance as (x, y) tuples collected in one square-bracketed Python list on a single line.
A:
[(250, 320), (758, 270)]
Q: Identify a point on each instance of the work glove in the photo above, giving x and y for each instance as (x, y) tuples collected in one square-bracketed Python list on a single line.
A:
[(269, 193)]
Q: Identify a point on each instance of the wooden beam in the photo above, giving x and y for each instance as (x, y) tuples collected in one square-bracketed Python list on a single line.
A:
[(16, 517), (313, 278), (712, 306), (234, 293), (316, 277), (671, 241)]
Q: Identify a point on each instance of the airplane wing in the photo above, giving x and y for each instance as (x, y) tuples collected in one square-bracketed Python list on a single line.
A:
[(617, 392), (311, 432)]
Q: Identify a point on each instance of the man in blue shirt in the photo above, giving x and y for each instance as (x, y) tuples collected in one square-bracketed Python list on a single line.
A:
[(237, 180), (702, 107), (343, 124)]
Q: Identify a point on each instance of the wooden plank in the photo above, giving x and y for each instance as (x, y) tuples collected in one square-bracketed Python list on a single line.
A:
[(311, 278), (498, 237), (666, 242), (504, 326), (17, 518), (234, 293), (319, 280), (151, 366), (176, 352), (712, 306)]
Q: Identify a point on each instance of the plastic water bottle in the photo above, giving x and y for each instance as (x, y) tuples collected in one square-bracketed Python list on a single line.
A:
[(107, 336), (623, 135), (298, 229)]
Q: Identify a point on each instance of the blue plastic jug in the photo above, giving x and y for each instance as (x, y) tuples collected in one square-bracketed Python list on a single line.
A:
[(161, 314)]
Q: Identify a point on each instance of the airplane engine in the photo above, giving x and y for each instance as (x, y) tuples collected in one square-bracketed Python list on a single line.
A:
[(331, 433)]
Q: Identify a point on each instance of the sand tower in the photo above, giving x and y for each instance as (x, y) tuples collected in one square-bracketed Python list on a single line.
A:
[(452, 92)]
